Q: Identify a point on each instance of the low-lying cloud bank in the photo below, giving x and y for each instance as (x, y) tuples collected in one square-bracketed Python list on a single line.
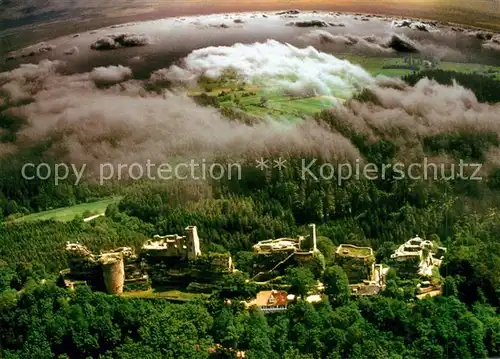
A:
[(493, 43), (72, 51), (116, 41), (367, 44), (123, 123), (32, 50), (298, 71), (380, 45), (28, 80), (406, 114), (21, 83), (110, 74), (365, 34), (126, 124), (425, 26)]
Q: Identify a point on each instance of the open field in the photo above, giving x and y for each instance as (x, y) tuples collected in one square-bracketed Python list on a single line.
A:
[(278, 105), (68, 213), (378, 65), (176, 295), (382, 66), (233, 92)]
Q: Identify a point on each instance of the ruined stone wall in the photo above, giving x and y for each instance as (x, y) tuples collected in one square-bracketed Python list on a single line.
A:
[(406, 269), (356, 269), (206, 268), (82, 267)]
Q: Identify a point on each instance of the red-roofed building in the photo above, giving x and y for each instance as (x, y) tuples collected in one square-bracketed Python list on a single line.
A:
[(270, 300)]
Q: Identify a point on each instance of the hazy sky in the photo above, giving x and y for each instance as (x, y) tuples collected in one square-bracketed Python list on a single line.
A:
[(18, 9), (97, 13), (461, 8)]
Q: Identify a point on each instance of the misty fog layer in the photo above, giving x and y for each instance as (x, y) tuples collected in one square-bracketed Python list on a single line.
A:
[(303, 71), (125, 124), (106, 115)]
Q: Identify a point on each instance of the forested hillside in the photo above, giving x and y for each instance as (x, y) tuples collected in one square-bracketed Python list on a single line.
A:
[(40, 320)]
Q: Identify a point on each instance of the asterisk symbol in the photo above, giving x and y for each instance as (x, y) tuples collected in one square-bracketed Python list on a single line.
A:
[(262, 164), (280, 163)]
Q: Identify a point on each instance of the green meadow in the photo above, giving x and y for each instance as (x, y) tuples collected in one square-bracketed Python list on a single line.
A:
[(260, 100), (69, 213)]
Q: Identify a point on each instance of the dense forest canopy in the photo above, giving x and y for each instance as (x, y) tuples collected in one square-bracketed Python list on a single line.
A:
[(41, 320)]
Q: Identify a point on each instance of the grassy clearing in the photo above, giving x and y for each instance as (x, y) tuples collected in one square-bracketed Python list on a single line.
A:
[(375, 66), (68, 213), (165, 294), (277, 105), (300, 106), (353, 251), (262, 101)]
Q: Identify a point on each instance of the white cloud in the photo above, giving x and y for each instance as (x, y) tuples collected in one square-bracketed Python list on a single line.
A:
[(115, 41), (405, 113), (493, 43), (110, 74), (20, 83), (72, 50), (278, 65), (367, 44), (124, 124)]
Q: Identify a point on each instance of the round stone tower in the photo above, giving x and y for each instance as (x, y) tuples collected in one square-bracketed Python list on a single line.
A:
[(113, 271)]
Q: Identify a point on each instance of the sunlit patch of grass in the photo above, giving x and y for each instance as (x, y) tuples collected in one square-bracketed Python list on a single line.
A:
[(69, 213), (170, 294), (266, 100)]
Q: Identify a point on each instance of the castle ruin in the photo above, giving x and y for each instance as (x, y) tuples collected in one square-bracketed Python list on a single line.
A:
[(364, 275), (164, 259), (290, 245), (421, 256), (113, 271), (108, 271), (173, 245), (275, 255), (358, 263)]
